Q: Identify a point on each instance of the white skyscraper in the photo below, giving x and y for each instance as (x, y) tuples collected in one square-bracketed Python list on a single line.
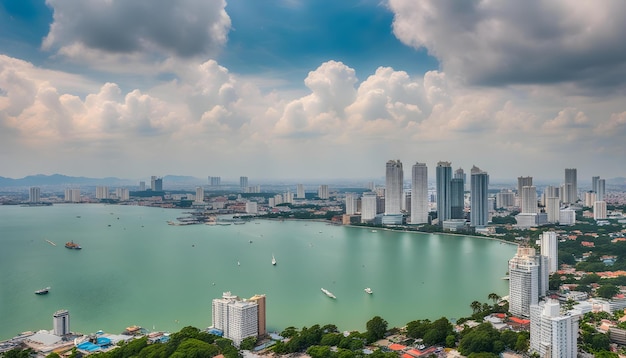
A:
[(479, 214), (34, 194), (237, 318), (529, 200), (252, 207), (550, 249), (300, 191), (322, 192), (599, 210), (394, 179), (351, 203), (505, 198), (368, 207), (122, 194), (199, 194), (522, 182), (528, 280), (419, 194), (572, 179), (102, 192), (552, 209), (553, 334), (61, 323)]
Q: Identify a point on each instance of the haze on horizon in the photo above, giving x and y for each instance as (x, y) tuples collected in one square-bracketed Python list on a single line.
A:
[(311, 89)]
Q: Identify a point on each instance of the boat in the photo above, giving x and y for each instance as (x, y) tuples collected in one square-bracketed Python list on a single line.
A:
[(72, 245), (368, 290), (374, 230), (273, 260), (238, 263), (43, 291), (51, 243), (328, 293)]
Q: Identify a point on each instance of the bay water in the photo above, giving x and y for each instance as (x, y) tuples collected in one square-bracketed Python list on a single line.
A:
[(135, 269)]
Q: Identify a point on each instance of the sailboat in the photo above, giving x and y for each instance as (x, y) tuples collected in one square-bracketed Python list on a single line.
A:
[(273, 260)]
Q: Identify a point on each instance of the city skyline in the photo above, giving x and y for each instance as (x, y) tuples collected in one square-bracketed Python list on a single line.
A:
[(311, 88)]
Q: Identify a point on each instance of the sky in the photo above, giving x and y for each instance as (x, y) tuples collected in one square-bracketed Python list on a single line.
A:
[(315, 89)]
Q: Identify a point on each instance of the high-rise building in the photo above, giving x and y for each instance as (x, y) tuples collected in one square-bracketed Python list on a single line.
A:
[(252, 207), (599, 210), (153, 183), (444, 198), (215, 181), (479, 209), (419, 194), (156, 184), (549, 192), (300, 191), (262, 325), (528, 280), (594, 184), (142, 186), (72, 195), (565, 192), (34, 194), (552, 209), (243, 182), (505, 199), (460, 174), (322, 192), (571, 178), (368, 206), (529, 200), (550, 249), (457, 198), (553, 334), (199, 194), (122, 194), (236, 318), (61, 323), (102, 192), (590, 198), (288, 197), (394, 180), (522, 182), (351, 203), (601, 188)]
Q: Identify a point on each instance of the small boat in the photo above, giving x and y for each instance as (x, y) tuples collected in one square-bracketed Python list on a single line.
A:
[(51, 243), (238, 263), (273, 260), (72, 245), (368, 290), (328, 293), (374, 230), (43, 291)]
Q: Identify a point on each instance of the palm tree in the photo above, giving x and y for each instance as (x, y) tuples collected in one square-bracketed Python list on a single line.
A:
[(476, 306), (494, 297)]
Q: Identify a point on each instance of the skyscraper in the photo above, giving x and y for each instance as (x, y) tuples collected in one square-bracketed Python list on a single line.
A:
[(394, 185), (528, 280), (351, 203), (550, 249), (243, 183), (529, 200), (444, 198), (300, 191), (479, 214), (237, 318), (594, 184), (262, 325), (199, 194), (457, 198), (460, 174), (599, 210), (571, 178), (34, 194), (522, 182), (322, 192), (552, 209), (368, 206), (419, 194), (102, 192), (61, 323), (600, 192), (553, 334)]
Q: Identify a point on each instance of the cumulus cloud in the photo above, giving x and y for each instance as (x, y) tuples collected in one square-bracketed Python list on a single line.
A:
[(529, 42), (92, 29)]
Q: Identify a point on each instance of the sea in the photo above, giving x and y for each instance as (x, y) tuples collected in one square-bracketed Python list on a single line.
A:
[(135, 269)]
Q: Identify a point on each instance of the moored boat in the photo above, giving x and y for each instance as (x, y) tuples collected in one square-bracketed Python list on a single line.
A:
[(273, 260)]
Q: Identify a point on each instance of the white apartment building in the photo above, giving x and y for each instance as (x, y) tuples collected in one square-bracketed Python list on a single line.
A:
[(351, 203), (34, 194), (553, 334), (61, 323), (394, 179), (419, 194), (550, 249), (528, 280), (300, 191), (102, 192), (368, 207), (322, 192), (237, 318), (599, 210)]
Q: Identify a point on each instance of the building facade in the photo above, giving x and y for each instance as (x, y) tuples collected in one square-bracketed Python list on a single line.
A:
[(528, 280), (550, 249), (419, 194), (553, 334), (368, 206), (61, 323), (394, 186), (322, 192), (236, 318), (34, 194), (571, 178), (529, 200), (479, 208), (444, 197)]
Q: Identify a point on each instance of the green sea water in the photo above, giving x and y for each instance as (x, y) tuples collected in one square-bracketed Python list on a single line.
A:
[(136, 269)]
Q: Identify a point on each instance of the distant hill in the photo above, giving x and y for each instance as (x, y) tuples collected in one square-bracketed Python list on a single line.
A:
[(59, 180)]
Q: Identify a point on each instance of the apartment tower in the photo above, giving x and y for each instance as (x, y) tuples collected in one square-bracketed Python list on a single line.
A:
[(419, 194)]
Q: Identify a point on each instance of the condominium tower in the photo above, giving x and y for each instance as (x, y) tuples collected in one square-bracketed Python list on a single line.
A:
[(61, 323), (479, 214), (34, 194), (236, 318), (553, 334), (571, 178), (394, 179), (419, 194), (550, 249), (444, 202), (528, 280)]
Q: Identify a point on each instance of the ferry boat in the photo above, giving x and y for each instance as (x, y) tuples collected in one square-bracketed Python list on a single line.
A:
[(273, 260), (72, 245), (328, 293), (368, 290), (43, 291)]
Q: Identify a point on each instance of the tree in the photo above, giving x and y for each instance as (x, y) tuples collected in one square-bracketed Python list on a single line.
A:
[(607, 291), (475, 306), (376, 328), (494, 297), (192, 347), (53, 355), (248, 343)]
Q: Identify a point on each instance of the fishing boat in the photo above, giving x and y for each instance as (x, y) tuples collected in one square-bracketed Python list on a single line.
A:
[(43, 291), (72, 245), (273, 260), (368, 290)]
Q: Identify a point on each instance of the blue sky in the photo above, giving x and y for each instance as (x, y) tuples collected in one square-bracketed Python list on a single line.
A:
[(311, 89)]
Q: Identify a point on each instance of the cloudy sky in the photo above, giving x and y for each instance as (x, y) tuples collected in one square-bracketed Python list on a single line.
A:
[(311, 88)]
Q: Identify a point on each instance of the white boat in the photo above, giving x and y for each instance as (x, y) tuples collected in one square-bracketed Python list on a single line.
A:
[(238, 263), (368, 290), (374, 230), (328, 293), (273, 260)]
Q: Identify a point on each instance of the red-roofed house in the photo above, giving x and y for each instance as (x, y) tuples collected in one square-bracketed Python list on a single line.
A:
[(396, 347)]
